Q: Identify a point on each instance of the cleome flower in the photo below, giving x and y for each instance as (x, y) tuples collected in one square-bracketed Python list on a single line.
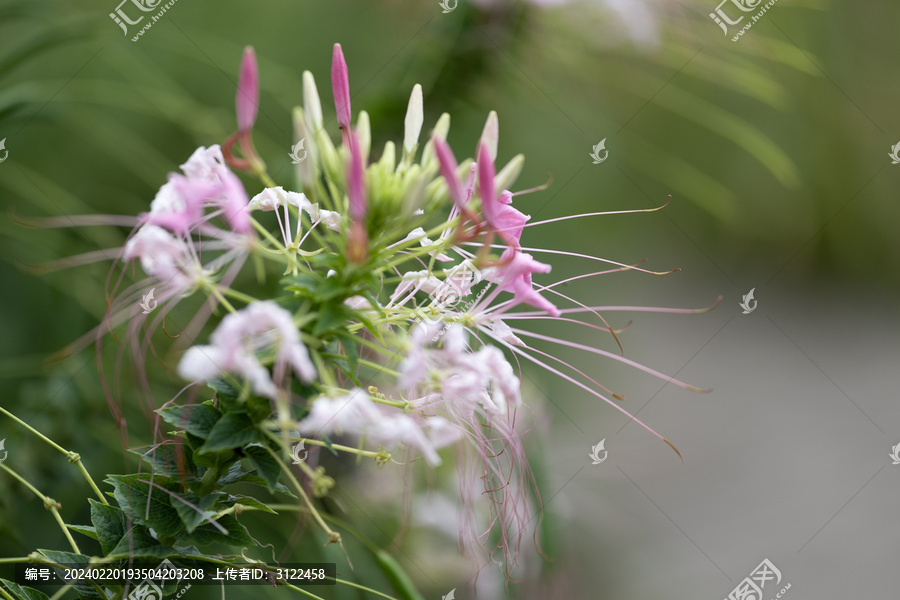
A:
[(409, 258), (237, 341)]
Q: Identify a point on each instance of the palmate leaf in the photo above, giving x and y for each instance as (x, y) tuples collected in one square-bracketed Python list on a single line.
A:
[(139, 543), (236, 534), (196, 419), (69, 559), (109, 523), (192, 517), (266, 466), (232, 431), (148, 505), (171, 460)]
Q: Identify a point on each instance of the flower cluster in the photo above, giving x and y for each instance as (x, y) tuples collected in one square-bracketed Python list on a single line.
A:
[(399, 279)]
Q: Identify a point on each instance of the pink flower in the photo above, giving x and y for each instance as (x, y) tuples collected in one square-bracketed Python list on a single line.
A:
[(355, 413), (179, 204), (205, 163), (164, 257), (513, 274), (501, 217), (233, 200), (176, 206), (477, 392), (247, 99), (238, 339), (340, 85)]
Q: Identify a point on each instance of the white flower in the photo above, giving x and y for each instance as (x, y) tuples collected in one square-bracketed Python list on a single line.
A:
[(236, 341), (355, 413), (277, 197), (419, 234), (331, 219)]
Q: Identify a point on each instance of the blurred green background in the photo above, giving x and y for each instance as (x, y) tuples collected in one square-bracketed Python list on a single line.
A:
[(774, 151)]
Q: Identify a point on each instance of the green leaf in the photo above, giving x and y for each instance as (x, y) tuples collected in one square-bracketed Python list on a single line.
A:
[(225, 391), (23, 593), (231, 431), (237, 534), (189, 515), (138, 542), (265, 464), (212, 459), (147, 505), (196, 419), (85, 590), (257, 480), (235, 473), (109, 523), (171, 460), (84, 530)]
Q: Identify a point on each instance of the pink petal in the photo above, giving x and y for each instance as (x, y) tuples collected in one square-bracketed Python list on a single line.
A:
[(247, 99), (234, 203), (448, 166), (486, 181), (340, 84)]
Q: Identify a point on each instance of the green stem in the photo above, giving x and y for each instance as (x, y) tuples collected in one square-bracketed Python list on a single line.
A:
[(302, 591), (246, 298), (333, 536), (49, 503), (73, 457), (5, 594), (360, 587), (378, 367), (62, 591)]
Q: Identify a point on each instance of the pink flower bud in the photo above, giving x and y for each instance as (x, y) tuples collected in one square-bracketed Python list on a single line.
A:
[(340, 84), (247, 99), (448, 166)]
